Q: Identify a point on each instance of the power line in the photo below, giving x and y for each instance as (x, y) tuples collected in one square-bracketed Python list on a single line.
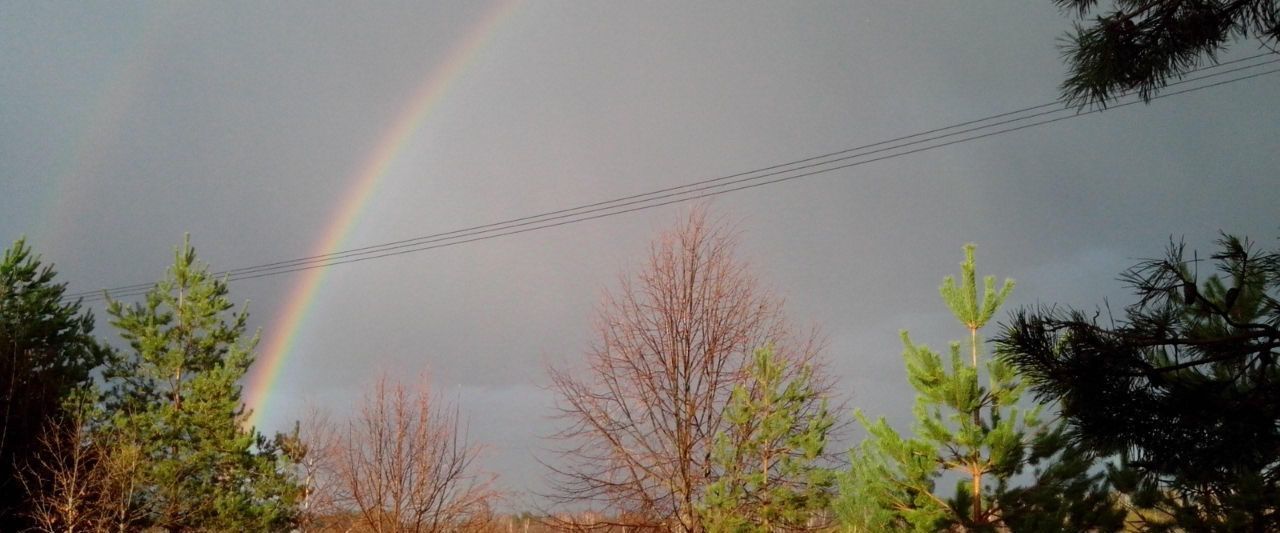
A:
[(631, 200), (742, 187), (809, 166), (541, 221)]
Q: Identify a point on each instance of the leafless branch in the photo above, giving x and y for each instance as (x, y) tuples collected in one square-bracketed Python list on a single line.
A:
[(403, 463), (640, 420)]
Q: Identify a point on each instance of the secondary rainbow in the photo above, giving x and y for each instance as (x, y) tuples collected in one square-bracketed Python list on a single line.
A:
[(99, 136), (293, 316)]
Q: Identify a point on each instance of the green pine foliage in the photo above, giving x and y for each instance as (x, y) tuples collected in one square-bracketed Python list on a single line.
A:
[(1182, 387), (47, 351), (768, 458), (1123, 46), (980, 433), (174, 394)]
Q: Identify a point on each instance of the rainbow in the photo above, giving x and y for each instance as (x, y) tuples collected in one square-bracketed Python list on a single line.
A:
[(301, 297)]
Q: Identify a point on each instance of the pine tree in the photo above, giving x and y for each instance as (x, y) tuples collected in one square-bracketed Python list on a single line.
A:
[(47, 351), (1141, 46), (980, 433), (175, 393), (1182, 386), (768, 459)]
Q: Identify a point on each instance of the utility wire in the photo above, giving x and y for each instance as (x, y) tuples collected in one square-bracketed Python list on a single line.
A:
[(419, 244), (631, 200), (805, 167), (415, 245), (747, 186)]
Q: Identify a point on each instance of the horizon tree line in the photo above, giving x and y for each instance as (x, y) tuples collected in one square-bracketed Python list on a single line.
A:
[(698, 408)]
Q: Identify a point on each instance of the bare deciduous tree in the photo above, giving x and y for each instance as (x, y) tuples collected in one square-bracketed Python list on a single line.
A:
[(310, 449), (83, 480), (403, 464), (64, 480), (671, 345)]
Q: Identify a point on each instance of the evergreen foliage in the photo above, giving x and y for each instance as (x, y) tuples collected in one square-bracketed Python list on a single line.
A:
[(768, 458), (980, 433), (1139, 45), (175, 395), (1184, 389), (46, 352)]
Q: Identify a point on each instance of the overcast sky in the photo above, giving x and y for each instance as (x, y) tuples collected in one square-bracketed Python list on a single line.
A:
[(124, 125)]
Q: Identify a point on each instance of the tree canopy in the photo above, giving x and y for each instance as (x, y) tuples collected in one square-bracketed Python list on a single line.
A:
[(1183, 387), (642, 419), (983, 433), (768, 459), (175, 394), (46, 351), (1140, 45)]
